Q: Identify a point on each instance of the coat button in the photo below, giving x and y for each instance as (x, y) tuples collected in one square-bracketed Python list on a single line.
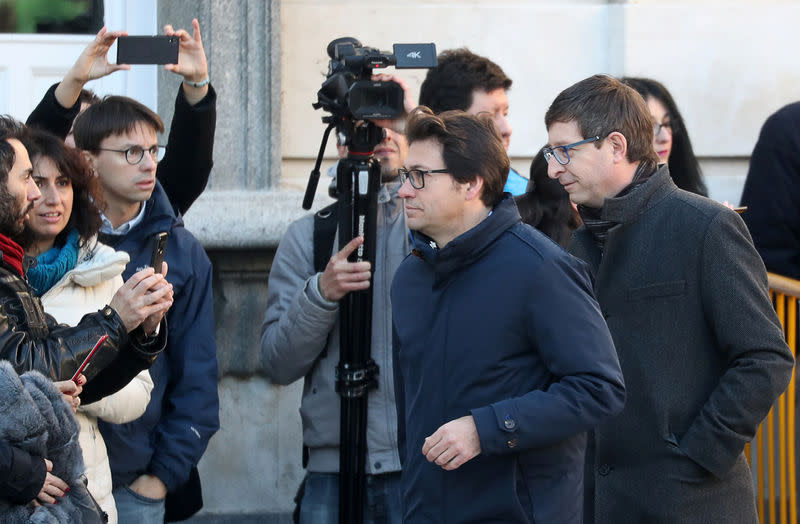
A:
[(378, 465), (509, 422), (512, 443), (604, 469)]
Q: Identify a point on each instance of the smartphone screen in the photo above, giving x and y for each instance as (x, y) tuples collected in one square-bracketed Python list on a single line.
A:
[(147, 50), (86, 360)]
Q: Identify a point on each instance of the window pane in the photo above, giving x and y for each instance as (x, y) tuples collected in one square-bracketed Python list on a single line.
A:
[(51, 16)]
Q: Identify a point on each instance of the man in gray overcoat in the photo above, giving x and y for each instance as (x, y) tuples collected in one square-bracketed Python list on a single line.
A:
[(685, 296)]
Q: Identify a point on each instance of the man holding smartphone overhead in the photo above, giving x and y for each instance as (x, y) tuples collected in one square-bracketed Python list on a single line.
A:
[(184, 170), (159, 452)]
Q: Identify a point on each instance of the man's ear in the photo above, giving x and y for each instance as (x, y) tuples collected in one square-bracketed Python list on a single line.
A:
[(91, 160), (474, 188), (619, 146)]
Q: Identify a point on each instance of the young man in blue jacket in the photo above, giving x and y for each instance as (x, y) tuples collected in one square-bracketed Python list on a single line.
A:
[(468, 82), (155, 454), (502, 358)]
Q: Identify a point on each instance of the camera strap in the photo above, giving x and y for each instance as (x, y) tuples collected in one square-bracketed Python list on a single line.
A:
[(325, 224)]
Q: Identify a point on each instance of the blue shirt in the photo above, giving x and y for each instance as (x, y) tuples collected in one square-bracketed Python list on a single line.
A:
[(516, 183)]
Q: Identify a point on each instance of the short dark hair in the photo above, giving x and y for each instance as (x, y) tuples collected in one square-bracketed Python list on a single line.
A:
[(471, 147), (601, 105), (111, 116), (683, 165), (10, 128), (86, 200), (459, 73)]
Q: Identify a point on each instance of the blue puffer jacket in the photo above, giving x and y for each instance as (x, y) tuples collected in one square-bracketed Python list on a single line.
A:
[(183, 412), (500, 324)]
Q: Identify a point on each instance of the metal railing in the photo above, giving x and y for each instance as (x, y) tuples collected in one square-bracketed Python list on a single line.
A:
[(776, 491)]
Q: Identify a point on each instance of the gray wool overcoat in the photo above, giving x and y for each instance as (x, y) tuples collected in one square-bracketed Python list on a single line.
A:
[(685, 296)]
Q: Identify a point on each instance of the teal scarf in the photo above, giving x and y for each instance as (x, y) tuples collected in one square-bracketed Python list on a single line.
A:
[(53, 264)]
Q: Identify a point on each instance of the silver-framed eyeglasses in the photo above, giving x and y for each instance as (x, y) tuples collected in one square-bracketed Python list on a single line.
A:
[(135, 154), (561, 153), (417, 176)]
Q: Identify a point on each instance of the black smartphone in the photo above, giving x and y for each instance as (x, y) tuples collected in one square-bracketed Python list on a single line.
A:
[(159, 248), (147, 50)]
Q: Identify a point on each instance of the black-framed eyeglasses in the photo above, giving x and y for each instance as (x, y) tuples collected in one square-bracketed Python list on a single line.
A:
[(135, 154), (664, 125), (561, 153), (417, 176)]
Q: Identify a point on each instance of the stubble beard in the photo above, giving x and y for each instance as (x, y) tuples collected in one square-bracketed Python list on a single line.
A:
[(12, 215)]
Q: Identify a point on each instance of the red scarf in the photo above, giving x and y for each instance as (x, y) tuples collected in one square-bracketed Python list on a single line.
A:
[(11, 253)]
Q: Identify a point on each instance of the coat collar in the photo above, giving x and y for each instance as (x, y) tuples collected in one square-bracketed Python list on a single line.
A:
[(627, 208), (466, 248), (623, 210)]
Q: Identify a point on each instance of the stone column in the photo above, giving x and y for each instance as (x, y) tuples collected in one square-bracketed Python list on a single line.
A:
[(242, 43), (250, 470)]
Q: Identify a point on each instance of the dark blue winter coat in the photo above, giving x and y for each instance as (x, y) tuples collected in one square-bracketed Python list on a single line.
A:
[(501, 324), (183, 412)]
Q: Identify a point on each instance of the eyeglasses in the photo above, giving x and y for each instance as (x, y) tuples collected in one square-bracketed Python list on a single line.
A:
[(561, 153), (417, 176), (135, 154), (664, 125)]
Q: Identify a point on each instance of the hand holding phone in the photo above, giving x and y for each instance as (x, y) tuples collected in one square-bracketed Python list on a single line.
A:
[(86, 360)]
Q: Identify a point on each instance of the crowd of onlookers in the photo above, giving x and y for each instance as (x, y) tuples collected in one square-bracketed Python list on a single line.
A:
[(517, 383), (90, 195), (612, 374)]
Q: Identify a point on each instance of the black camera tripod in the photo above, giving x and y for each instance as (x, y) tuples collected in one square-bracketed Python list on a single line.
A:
[(358, 179)]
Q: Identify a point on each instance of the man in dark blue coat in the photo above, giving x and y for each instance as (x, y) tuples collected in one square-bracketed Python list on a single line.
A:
[(156, 453), (502, 357)]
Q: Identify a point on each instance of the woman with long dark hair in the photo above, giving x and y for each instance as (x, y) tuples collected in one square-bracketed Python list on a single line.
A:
[(545, 204), (671, 140)]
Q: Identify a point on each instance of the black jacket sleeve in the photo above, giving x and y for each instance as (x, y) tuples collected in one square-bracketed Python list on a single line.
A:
[(52, 116), (127, 364), (21, 475), (186, 166), (31, 339), (772, 192)]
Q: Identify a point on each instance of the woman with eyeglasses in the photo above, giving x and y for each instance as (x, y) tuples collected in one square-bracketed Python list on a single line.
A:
[(74, 275), (671, 140)]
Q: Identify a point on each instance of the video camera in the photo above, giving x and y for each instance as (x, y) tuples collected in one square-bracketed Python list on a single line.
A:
[(350, 92), (352, 98)]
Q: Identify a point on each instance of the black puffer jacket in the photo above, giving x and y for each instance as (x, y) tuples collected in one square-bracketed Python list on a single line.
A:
[(30, 339)]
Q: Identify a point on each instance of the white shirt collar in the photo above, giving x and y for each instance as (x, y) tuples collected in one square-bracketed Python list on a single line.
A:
[(108, 228)]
